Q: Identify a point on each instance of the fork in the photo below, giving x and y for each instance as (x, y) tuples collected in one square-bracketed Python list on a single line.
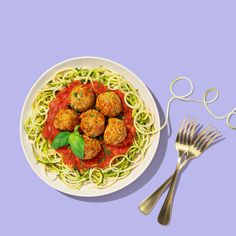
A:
[(190, 144)]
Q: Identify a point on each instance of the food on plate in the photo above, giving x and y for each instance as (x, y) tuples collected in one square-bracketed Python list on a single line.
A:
[(89, 126), (92, 123), (81, 98), (109, 104), (115, 131), (66, 119), (91, 147)]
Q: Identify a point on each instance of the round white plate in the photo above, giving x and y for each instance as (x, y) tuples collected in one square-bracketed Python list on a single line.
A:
[(92, 62)]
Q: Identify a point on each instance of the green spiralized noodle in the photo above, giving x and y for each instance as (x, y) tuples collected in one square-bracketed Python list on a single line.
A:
[(204, 101), (120, 166)]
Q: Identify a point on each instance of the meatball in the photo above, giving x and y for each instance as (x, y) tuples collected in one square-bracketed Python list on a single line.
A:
[(81, 98), (115, 131), (91, 147), (109, 104), (66, 119), (92, 123)]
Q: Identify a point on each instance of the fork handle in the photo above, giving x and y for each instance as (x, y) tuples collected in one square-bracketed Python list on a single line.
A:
[(149, 202), (165, 212)]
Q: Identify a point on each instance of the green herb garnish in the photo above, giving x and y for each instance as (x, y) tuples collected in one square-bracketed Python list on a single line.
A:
[(74, 140), (61, 140), (101, 160), (120, 117), (107, 151), (75, 94)]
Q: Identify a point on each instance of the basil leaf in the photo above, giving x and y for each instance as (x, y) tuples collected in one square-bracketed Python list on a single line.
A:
[(77, 144), (60, 140)]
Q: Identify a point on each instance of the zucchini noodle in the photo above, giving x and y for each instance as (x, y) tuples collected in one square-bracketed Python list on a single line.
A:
[(120, 166), (203, 101)]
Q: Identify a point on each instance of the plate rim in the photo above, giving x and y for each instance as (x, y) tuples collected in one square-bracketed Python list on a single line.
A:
[(21, 128)]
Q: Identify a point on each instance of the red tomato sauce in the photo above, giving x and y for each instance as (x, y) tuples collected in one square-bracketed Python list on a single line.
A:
[(104, 157)]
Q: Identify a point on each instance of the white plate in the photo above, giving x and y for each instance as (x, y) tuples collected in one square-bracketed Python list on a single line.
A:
[(92, 62)]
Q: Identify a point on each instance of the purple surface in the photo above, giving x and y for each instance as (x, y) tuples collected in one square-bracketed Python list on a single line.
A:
[(158, 40)]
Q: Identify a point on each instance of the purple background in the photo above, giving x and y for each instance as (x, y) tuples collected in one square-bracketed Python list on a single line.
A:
[(158, 40)]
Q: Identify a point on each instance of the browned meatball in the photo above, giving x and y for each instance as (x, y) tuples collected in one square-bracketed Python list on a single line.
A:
[(109, 104), (91, 147), (92, 123), (115, 131), (66, 119), (81, 98)]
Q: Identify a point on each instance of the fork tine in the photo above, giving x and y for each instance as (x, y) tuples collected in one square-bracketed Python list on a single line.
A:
[(186, 131), (202, 134), (210, 133), (207, 135), (179, 135), (208, 141), (192, 130)]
